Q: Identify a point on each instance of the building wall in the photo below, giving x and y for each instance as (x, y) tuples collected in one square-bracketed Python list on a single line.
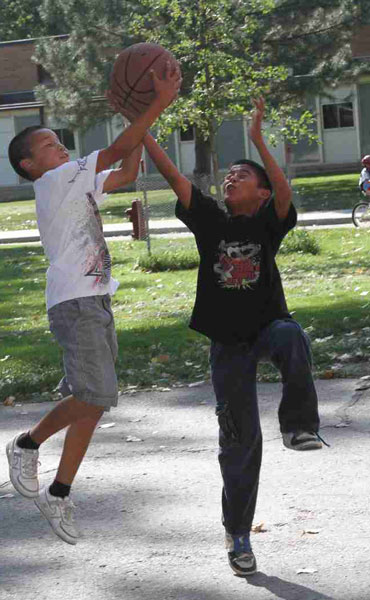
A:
[(364, 110), (94, 139), (7, 175), (230, 142), (17, 71)]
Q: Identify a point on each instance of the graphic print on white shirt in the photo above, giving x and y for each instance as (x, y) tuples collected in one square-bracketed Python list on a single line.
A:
[(71, 230), (238, 265), (98, 262)]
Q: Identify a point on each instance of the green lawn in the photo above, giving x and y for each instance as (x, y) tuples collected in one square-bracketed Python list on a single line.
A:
[(326, 192), (329, 294), (311, 193)]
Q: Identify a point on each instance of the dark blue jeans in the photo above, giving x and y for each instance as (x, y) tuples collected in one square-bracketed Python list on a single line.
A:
[(234, 368)]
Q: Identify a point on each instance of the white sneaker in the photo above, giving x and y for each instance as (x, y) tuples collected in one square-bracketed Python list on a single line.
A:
[(23, 465), (59, 513)]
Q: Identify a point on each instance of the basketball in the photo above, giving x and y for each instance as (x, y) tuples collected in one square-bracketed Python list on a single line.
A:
[(131, 81)]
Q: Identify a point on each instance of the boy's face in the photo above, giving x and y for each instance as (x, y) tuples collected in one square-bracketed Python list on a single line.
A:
[(242, 191), (47, 153)]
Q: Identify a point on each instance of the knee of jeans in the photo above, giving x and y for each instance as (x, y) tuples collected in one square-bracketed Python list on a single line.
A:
[(290, 333)]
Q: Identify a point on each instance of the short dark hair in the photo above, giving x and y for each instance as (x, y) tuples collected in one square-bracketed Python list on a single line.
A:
[(19, 148), (263, 180)]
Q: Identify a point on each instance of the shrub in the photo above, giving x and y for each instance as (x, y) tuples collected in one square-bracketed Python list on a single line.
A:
[(169, 260), (299, 240)]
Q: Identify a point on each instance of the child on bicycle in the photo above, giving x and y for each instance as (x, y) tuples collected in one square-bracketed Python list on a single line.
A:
[(364, 181)]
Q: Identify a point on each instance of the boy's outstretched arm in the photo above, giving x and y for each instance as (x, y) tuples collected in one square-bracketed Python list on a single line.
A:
[(127, 172), (178, 182), (282, 190), (166, 91)]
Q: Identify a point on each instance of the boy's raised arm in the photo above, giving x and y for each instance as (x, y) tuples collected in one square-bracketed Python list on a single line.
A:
[(178, 182), (282, 190), (166, 91), (127, 172)]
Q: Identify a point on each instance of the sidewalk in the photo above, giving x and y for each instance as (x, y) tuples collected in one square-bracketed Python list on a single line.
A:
[(320, 218), (148, 503)]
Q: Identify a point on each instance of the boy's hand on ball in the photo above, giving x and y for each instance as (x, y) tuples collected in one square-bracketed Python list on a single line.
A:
[(167, 89)]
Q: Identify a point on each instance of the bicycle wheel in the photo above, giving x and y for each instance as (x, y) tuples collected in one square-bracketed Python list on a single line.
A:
[(361, 215)]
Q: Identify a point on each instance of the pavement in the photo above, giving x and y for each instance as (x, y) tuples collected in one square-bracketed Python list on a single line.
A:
[(163, 226), (148, 504)]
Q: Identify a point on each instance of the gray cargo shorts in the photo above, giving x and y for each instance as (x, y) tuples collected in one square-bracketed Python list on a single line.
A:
[(84, 327)]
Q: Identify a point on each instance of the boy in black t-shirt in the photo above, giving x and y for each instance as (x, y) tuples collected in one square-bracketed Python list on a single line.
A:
[(240, 306)]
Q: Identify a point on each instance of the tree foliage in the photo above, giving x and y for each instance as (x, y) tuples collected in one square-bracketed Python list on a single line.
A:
[(22, 19), (229, 50)]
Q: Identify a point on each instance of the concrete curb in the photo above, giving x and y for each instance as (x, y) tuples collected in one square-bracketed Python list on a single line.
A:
[(340, 217)]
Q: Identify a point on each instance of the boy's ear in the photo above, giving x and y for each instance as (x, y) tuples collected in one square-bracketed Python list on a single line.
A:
[(26, 164), (264, 194)]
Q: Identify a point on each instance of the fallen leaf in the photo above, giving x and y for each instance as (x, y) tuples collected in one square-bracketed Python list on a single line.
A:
[(161, 358), (329, 374), (311, 531), (362, 386), (324, 339), (9, 401), (132, 438), (196, 383), (340, 425), (345, 357), (306, 571), (258, 528), (106, 426)]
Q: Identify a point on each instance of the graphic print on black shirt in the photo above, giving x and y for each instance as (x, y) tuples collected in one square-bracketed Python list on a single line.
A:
[(99, 262), (238, 265)]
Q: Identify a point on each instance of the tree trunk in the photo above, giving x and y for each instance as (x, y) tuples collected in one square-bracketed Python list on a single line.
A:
[(202, 170), (215, 168)]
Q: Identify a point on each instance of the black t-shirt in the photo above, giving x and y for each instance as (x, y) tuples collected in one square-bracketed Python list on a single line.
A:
[(239, 289)]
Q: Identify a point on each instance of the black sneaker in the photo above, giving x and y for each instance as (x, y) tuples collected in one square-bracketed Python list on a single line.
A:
[(240, 555), (303, 440)]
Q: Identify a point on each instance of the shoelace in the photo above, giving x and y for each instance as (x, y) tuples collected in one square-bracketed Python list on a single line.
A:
[(29, 465), (244, 556), (67, 509), (323, 441)]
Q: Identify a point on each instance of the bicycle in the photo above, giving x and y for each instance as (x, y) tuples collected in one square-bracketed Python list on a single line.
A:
[(361, 210)]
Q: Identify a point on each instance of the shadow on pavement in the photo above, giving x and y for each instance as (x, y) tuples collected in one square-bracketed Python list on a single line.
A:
[(287, 590)]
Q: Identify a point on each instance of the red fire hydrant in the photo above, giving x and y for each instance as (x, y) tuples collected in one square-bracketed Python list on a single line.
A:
[(136, 216)]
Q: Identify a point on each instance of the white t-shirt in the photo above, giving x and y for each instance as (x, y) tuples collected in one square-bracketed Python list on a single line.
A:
[(71, 231), (364, 176)]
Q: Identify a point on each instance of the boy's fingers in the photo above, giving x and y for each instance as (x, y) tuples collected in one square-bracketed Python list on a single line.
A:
[(154, 76)]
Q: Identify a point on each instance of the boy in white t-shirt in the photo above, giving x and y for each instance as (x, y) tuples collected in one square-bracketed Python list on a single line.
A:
[(79, 286)]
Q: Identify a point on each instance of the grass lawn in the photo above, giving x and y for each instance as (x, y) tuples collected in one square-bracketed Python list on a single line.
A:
[(311, 193), (329, 294), (326, 192)]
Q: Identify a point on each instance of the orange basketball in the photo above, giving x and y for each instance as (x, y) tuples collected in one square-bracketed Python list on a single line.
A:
[(131, 80)]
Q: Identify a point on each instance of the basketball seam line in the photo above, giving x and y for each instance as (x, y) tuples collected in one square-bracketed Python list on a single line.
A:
[(132, 88)]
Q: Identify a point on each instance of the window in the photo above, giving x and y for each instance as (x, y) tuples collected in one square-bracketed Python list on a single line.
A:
[(66, 137), (187, 134), (338, 115)]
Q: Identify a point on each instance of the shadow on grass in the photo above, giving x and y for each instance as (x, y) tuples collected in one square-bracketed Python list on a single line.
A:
[(162, 354)]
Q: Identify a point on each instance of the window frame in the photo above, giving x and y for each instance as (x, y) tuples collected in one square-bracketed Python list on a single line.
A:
[(339, 119)]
